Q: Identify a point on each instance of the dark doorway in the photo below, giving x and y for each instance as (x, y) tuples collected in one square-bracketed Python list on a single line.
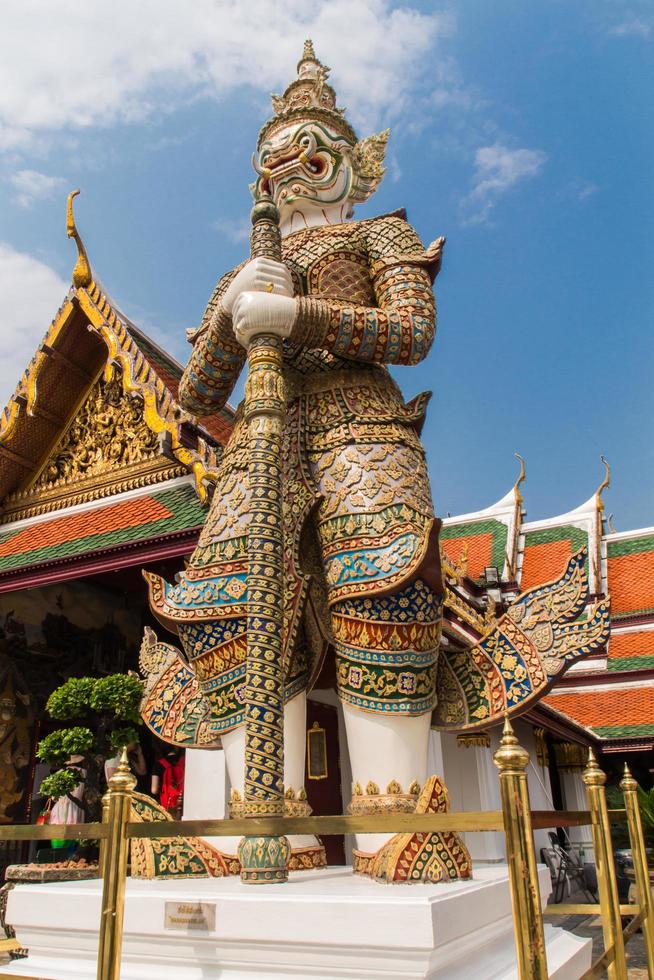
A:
[(323, 771)]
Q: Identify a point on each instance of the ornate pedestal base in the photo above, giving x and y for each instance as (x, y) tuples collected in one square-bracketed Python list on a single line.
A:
[(264, 859), (413, 858), (326, 924)]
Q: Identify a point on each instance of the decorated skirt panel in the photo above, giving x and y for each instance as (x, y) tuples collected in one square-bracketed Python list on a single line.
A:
[(387, 649)]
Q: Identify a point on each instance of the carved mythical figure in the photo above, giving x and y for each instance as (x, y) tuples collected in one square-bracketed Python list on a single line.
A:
[(362, 572)]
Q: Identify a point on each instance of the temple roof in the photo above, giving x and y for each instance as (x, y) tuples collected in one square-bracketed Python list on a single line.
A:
[(50, 547), (89, 339), (487, 537), (621, 566), (612, 711)]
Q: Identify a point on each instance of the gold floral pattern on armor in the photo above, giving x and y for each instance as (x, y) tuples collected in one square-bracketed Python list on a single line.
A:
[(370, 477)]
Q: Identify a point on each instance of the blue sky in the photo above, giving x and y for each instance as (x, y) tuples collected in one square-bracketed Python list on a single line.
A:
[(521, 131)]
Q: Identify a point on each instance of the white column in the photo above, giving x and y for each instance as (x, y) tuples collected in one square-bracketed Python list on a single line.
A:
[(435, 761), (206, 792), (538, 781), (472, 784)]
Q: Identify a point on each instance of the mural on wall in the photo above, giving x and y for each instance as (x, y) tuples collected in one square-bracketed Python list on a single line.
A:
[(66, 630), (16, 730)]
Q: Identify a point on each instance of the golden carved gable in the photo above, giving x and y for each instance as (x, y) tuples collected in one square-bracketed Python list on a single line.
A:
[(107, 448), (108, 432)]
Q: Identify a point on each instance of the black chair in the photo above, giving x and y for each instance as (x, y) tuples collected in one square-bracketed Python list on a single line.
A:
[(570, 869)]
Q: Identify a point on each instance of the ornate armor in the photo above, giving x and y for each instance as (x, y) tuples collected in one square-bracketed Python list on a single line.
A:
[(362, 565)]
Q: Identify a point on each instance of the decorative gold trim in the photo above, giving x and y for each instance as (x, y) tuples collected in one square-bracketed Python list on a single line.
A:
[(317, 746), (570, 756), (475, 740), (161, 411), (15, 507), (542, 753), (465, 612)]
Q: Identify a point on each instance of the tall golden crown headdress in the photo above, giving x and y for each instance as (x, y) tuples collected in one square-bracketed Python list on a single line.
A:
[(309, 97)]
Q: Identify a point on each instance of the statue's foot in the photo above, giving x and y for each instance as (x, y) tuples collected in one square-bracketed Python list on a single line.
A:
[(304, 858), (174, 857), (419, 857)]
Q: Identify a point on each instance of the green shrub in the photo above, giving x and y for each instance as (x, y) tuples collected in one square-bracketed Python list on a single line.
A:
[(57, 747), (110, 707), (61, 783)]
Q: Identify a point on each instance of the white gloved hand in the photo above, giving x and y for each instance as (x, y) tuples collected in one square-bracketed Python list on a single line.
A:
[(265, 275), (258, 313)]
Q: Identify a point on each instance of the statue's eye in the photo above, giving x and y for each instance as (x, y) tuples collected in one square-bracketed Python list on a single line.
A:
[(305, 141)]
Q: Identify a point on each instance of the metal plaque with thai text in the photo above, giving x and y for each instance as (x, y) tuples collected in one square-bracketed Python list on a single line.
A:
[(198, 916)]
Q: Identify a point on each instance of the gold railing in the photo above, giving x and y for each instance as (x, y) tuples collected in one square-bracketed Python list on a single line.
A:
[(516, 820)]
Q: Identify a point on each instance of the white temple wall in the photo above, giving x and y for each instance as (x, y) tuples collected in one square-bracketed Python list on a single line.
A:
[(538, 781), (574, 798), (472, 782)]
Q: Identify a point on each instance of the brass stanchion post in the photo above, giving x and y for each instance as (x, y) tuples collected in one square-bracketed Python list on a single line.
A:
[(103, 843), (114, 870), (595, 781), (512, 761), (629, 787)]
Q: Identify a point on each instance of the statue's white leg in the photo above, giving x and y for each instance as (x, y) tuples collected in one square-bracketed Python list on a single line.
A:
[(295, 737), (383, 748)]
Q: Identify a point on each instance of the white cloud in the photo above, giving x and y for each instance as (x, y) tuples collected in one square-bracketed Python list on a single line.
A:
[(633, 27), (30, 295), (497, 169), (236, 230), (587, 190), (31, 186), (84, 64)]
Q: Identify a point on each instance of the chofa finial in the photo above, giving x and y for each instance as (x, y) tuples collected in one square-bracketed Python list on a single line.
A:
[(82, 275), (604, 485), (521, 478)]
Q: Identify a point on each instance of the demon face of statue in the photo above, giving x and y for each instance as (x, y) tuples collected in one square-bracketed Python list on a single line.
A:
[(308, 156), (306, 162)]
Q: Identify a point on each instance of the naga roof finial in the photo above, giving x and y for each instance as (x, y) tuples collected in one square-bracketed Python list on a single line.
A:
[(82, 275), (521, 478), (604, 485)]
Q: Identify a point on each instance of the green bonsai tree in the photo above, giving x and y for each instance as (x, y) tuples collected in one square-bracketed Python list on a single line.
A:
[(109, 707)]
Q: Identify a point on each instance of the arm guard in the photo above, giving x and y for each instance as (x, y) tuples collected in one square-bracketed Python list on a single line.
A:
[(216, 361), (401, 328)]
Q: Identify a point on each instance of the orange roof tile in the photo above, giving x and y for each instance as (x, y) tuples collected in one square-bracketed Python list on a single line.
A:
[(631, 582), (637, 644), (544, 562), (619, 708), (46, 534), (479, 549)]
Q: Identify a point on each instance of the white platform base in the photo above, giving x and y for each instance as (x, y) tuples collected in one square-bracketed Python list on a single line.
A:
[(326, 924)]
